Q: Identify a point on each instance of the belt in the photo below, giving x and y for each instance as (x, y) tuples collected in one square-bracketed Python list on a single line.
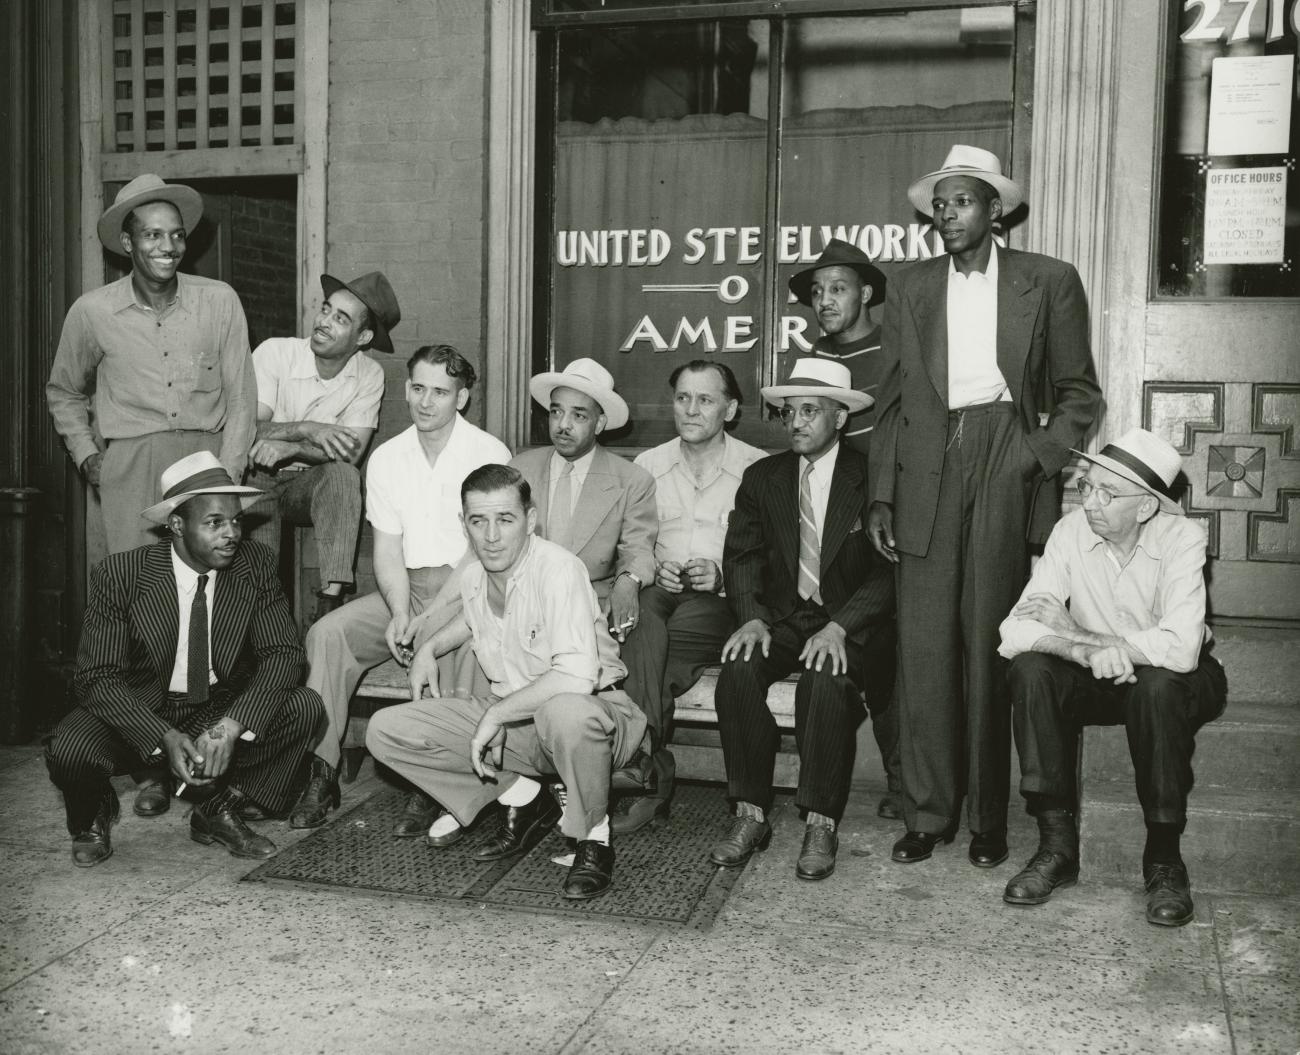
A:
[(982, 408)]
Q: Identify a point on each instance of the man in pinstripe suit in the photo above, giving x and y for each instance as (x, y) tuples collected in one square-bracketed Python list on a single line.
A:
[(809, 595), (189, 652)]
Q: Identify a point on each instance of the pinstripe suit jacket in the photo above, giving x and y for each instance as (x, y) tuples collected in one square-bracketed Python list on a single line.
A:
[(761, 555), (128, 641)]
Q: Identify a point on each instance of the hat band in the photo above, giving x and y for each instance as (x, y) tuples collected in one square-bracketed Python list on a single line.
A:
[(1144, 472), (199, 481), (811, 382)]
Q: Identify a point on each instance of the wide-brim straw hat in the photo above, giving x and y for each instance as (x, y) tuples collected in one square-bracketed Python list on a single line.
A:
[(588, 377), (967, 161), (141, 191), (1143, 458), (846, 254), (374, 291), (197, 474), (820, 377)]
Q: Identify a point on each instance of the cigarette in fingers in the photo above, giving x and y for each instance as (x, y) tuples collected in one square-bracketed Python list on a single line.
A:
[(626, 623)]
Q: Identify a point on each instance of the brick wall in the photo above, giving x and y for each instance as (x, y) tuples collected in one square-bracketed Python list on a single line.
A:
[(264, 246)]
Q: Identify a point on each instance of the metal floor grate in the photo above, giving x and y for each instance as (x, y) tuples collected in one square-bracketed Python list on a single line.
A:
[(661, 874)]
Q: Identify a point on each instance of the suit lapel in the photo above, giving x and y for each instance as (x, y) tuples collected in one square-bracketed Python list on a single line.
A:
[(1019, 302), (600, 491), (154, 611), (785, 509), (843, 506), (931, 315), (232, 607), (542, 492)]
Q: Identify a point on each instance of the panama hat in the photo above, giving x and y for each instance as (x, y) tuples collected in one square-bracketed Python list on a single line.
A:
[(1145, 459), (590, 378), (196, 474), (373, 290), (967, 161), (141, 191), (846, 254), (820, 377)]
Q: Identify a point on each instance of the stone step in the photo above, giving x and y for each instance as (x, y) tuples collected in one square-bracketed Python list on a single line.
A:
[(1242, 841), (1263, 665), (1251, 746)]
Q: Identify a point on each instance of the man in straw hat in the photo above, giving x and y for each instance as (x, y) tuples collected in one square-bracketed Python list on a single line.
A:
[(1111, 630), (163, 356), (317, 407), (809, 595), (188, 654), (988, 383)]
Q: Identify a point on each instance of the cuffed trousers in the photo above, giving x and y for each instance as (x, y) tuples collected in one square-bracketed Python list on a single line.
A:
[(1052, 699), (326, 497), (580, 739)]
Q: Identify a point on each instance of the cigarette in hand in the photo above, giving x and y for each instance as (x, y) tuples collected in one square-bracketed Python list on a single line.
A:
[(626, 624)]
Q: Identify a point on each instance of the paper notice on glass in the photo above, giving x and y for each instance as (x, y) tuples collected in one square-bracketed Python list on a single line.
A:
[(1250, 105), (1245, 215)]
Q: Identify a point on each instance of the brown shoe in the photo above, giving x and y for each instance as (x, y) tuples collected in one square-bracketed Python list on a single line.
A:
[(747, 836), (817, 858)]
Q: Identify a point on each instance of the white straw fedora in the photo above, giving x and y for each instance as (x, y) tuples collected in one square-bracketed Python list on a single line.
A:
[(590, 378), (1145, 459), (820, 377), (197, 474), (967, 161), (141, 191)]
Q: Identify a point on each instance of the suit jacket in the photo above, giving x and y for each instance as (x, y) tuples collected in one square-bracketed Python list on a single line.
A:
[(761, 556), (128, 641), (1044, 355), (615, 520)]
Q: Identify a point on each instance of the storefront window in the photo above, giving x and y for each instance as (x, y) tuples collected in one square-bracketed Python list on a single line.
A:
[(694, 165), (1230, 206)]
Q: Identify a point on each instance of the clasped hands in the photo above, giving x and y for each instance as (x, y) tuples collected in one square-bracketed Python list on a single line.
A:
[(204, 758)]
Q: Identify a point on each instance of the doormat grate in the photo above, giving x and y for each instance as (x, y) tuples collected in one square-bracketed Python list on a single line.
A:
[(662, 873)]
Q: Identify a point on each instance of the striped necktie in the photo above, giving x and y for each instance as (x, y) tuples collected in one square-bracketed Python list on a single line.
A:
[(196, 674), (557, 529), (810, 564)]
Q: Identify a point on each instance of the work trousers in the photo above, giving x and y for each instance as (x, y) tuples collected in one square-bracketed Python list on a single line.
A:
[(955, 720), (580, 739), (828, 708), (326, 497), (130, 480), (83, 752), (1052, 699)]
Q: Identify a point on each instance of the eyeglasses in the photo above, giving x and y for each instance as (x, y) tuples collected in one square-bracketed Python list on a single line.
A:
[(807, 413), (1086, 487)]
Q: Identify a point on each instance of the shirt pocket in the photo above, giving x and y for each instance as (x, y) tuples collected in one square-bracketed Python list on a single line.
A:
[(536, 646), (207, 373)]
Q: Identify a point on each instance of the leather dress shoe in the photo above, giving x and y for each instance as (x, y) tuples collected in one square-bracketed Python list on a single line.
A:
[(1169, 894), (253, 812), (418, 813), (817, 858), (918, 846), (516, 824), (95, 844), (218, 821), (321, 792), (890, 808), (1046, 870), (154, 798), (592, 871), (739, 845), (441, 842), (988, 849), (637, 812)]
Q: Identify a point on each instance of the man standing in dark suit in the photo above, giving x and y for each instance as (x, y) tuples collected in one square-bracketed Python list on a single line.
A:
[(188, 651), (808, 594), (988, 383)]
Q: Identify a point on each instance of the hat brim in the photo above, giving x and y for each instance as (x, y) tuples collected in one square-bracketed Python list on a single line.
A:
[(160, 511), (331, 285), (611, 403), (850, 397), (1167, 504), (921, 193), (801, 281), (188, 202)]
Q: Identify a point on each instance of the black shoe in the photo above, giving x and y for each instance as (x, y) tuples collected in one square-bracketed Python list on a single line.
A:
[(637, 812), (441, 842), (739, 845), (890, 807), (1046, 870), (988, 849), (321, 792), (1169, 894), (516, 824), (218, 821), (95, 843), (154, 798), (419, 812), (817, 858), (918, 846), (638, 776), (330, 602), (592, 871)]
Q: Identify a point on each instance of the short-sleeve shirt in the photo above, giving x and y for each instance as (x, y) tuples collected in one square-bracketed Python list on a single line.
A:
[(288, 383), (407, 496), (862, 357)]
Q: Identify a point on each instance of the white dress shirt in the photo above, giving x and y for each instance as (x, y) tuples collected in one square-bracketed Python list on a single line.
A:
[(819, 484), (187, 581), (973, 373)]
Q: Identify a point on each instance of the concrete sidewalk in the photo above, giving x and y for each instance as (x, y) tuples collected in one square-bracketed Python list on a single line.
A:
[(162, 949)]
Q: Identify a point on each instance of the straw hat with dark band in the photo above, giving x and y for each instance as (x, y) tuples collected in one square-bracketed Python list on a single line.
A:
[(820, 377), (1143, 458), (197, 474)]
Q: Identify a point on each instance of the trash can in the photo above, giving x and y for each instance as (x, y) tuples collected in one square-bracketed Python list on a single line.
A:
[(17, 508)]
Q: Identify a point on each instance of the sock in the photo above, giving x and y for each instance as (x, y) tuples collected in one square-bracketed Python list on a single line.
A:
[(1162, 844), (600, 833), (748, 809), (520, 793), (444, 825), (1041, 803), (820, 819), (332, 589)]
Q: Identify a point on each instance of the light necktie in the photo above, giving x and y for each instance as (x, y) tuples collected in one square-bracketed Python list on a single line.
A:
[(196, 675), (561, 508), (810, 564)]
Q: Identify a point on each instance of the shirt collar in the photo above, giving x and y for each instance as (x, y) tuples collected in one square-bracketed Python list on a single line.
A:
[(1151, 538), (733, 458), (581, 467), (990, 273), (187, 577), (823, 467), (305, 366), (474, 584), (125, 297)]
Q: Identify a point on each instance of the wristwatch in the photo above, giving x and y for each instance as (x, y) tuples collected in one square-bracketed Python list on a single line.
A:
[(633, 576)]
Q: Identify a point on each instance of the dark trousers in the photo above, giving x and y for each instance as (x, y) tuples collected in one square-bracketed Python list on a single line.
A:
[(328, 498), (83, 752), (1052, 699), (828, 708), (953, 711)]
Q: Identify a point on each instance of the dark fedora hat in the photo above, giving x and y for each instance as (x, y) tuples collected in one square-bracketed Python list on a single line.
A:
[(838, 251), (373, 290)]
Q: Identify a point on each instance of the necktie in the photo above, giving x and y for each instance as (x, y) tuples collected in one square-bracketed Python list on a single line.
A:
[(196, 677), (561, 508), (810, 564)]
